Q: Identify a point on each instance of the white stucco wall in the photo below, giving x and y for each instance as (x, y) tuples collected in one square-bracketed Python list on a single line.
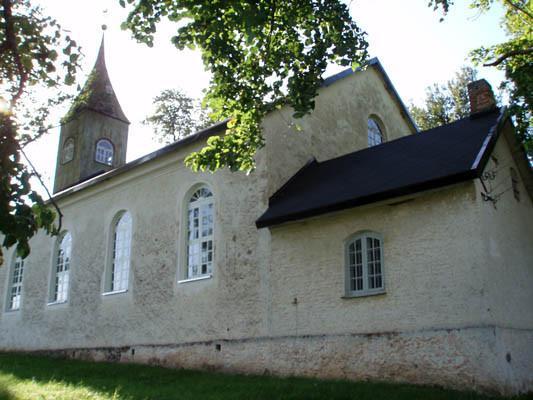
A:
[(430, 268), (507, 279), (156, 309), (507, 227), (274, 303)]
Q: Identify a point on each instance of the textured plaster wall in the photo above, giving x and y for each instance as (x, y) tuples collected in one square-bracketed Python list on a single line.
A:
[(507, 244), (508, 254), (337, 126), (430, 269), (274, 303), (156, 309)]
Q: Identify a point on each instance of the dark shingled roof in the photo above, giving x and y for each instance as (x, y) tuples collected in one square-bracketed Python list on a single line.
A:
[(448, 154), (97, 93)]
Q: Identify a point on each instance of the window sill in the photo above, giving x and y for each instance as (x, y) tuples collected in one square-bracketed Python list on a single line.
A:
[(56, 303), (198, 278), (363, 294), (114, 292), (12, 311)]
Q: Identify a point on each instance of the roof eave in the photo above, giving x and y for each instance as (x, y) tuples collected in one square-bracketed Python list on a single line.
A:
[(204, 133), (374, 198), (474, 172)]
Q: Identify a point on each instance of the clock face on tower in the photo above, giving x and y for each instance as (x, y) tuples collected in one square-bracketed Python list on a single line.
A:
[(68, 151)]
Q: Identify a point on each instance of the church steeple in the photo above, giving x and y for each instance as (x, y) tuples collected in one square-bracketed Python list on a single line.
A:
[(97, 93), (94, 132)]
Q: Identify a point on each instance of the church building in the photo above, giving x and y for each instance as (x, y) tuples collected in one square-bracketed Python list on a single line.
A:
[(359, 248)]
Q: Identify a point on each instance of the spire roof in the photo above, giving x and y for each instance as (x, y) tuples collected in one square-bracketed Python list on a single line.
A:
[(97, 93)]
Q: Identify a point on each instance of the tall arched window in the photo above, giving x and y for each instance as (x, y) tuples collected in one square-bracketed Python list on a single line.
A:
[(375, 135), (60, 275), (68, 151), (364, 264), (104, 152), (119, 272), (200, 234), (15, 285)]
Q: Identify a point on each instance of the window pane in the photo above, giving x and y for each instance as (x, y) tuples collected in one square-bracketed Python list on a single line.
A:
[(62, 269), (104, 152), (356, 266), (15, 293), (364, 263), (375, 136), (200, 233), (375, 280), (121, 253)]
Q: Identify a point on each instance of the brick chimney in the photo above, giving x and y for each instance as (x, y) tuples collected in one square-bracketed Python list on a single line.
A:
[(481, 97)]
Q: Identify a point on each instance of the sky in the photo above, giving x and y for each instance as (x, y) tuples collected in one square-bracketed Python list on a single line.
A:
[(415, 49)]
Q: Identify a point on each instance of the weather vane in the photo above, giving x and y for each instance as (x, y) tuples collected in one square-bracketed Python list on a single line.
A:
[(104, 25)]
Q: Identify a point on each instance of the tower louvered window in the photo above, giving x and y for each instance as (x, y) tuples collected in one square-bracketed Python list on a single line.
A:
[(68, 151), (104, 152)]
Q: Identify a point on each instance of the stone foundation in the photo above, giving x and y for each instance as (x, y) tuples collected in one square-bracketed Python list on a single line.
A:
[(485, 359)]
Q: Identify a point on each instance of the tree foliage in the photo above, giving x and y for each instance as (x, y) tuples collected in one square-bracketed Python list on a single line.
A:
[(514, 57), (176, 115), (258, 52), (445, 103), (35, 54)]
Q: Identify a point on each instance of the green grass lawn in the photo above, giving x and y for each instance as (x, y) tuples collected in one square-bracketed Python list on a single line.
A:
[(31, 377)]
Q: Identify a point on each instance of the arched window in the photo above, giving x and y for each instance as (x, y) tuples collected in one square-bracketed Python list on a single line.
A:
[(118, 276), (68, 150), (104, 152), (15, 285), (60, 275), (364, 264), (200, 234), (375, 135)]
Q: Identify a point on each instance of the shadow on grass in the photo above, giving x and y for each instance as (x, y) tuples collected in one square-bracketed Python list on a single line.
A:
[(140, 382), (5, 393)]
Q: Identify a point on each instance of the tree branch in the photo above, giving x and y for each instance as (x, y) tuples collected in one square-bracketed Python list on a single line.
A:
[(518, 8), (271, 29), (50, 198), (11, 45), (40, 133), (508, 54)]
